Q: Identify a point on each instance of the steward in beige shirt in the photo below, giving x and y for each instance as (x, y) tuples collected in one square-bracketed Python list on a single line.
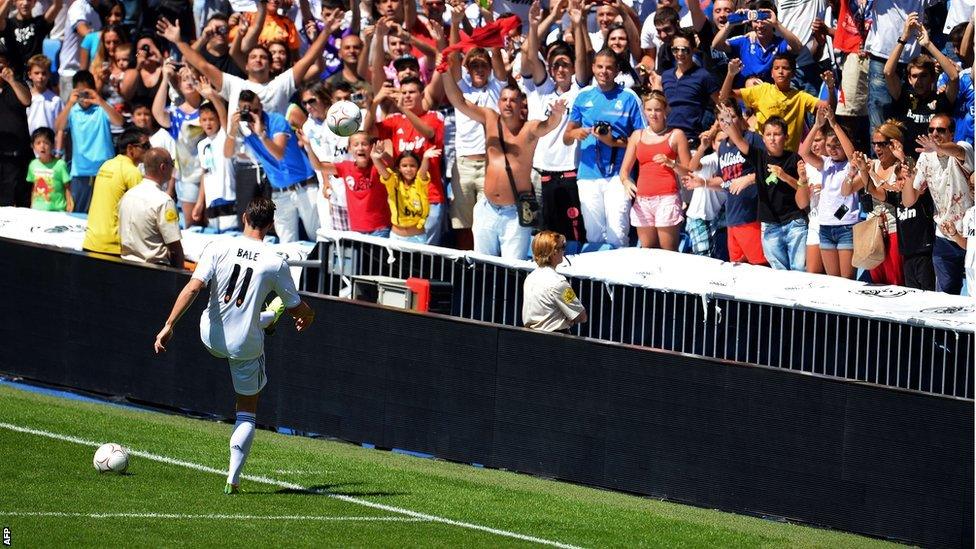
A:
[(149, 226)]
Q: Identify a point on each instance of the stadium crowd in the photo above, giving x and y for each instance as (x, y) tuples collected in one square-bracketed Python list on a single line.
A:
[(743, 131)]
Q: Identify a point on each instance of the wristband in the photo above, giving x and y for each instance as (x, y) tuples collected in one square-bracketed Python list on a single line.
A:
[(57, 153), (726, 184), (902, 42)]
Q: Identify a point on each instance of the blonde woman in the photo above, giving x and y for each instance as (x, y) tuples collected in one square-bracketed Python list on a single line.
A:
[(549, 303)]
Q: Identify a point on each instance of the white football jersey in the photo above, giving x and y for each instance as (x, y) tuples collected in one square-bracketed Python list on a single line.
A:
[(241, 272)]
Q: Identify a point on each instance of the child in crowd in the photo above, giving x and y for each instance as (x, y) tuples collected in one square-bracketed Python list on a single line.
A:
[(782, 201), (217, 188), (45, 104), (662, 154), (406, 189), (705, 223), (89, 119), (365, 196), (49, 175), (738, 177), (839, 208)]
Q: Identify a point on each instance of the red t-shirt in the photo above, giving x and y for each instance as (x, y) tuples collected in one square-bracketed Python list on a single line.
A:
[(365, 197), (847, 37), (405, 137)]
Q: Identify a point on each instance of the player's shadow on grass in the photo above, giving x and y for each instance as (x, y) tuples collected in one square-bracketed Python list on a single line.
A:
[(334, 490)]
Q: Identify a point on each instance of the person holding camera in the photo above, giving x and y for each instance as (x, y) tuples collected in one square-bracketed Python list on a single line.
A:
[(505, 214), (602, 119), (550, 304), (89, 119), (269, 138)]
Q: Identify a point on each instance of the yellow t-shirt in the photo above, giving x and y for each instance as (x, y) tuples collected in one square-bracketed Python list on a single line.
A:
[(767, 100), (114, 178), (409, 205)]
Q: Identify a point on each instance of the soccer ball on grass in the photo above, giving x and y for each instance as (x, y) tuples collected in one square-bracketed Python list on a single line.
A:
[(111, 458), (344, 118)]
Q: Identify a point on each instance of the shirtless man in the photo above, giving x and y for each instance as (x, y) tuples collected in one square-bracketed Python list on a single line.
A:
[(496, 226)]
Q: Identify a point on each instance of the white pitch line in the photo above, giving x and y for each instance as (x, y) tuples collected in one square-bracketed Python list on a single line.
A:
[(292, 486), (59, 514)]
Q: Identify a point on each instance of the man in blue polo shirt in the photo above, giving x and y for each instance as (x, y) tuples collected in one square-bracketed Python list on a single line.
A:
[(602, 118), (271, 141)]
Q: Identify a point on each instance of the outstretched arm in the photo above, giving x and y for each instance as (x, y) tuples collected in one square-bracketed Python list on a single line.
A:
[(531, 68), (300, 69), (183, 302), (457, 99), (556, 113), (171, 32), (806, 147)]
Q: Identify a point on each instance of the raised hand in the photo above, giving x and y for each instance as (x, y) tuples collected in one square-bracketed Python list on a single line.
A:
[(828, 78), (206, 88), (735, 66), (926, 144), (910, 26), (535, 13), (169, 31), (432, 153), (558, 107)]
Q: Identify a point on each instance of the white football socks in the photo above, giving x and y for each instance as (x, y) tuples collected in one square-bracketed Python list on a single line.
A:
[(240, 445)]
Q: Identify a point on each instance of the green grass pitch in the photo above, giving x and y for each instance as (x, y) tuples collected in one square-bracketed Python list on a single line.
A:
[(315, 493)]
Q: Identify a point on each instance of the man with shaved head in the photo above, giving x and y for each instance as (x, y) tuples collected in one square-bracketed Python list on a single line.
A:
[(149, 225)]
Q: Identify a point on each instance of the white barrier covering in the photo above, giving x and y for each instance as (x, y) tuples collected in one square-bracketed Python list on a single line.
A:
[(707, 277), (68, 231)]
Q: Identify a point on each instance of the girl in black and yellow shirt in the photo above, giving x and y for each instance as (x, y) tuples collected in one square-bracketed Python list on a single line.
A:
[(406, 189)]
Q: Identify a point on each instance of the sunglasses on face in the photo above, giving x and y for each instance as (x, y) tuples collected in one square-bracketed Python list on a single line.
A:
[(560, 65), (310, 101), (880, 143), (938, 129), (680, 49)]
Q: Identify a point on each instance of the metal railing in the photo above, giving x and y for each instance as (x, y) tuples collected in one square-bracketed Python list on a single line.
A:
[(885, 352)]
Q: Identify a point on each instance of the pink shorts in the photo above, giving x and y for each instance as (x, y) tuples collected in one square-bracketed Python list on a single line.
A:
[(656, 211)]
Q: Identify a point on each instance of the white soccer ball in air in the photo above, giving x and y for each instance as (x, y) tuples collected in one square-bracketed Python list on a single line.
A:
[(344, 118), (111, 458)]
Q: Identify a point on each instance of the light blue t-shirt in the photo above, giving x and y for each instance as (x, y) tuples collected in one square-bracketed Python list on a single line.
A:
[(90, 43), (621, 108), (294, 168), (91, 139)]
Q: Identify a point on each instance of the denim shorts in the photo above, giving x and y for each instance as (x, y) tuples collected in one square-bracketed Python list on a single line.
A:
[(837, 237)]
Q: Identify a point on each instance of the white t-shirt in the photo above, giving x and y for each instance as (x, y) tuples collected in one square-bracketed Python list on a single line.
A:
[(889, 20), (549, 303), (274, 95), (948, 183), (147, 223), (959, 12), (43, 110), (814, 180), (969, 233), (80, 11), (597, 41), (550, 153), (218, 171), (241, 272), (328, 147), (833, 175), (706, 202), (798, 16), (470, 136), (648, 33)]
